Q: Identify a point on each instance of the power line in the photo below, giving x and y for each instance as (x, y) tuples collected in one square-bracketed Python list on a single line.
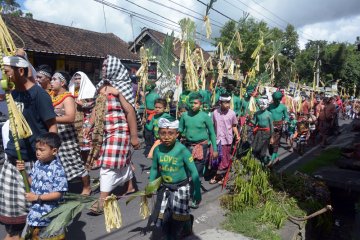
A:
[(277, 16), (177, 10), (222, 14), (281, 26), (193, 11), (158, 22), (158, 14)]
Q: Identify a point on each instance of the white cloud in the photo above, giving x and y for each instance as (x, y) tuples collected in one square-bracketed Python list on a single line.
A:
[(330, 20), (343, 30)]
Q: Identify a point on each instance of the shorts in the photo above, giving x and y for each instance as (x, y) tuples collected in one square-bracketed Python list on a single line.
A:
[(111, 178), (14, 229)]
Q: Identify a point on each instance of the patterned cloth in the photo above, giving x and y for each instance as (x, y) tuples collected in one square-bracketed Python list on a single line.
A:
[(116, 140), (177, 202), (69, 151), (117, 75), (13, 205), (46, 178), (276, 136)]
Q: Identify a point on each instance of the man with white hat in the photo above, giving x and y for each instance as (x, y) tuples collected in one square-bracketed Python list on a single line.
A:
[(36, 107)]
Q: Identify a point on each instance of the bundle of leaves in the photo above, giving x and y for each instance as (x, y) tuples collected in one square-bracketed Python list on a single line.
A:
[(275, 197)]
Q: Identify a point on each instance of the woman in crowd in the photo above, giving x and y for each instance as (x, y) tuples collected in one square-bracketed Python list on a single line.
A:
[(69, 151)]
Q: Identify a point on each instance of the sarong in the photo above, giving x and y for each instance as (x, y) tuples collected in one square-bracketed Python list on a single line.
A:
[(261, 143), (225, 159), (199, 154), (69, 152), (276, 136), (13, 205), (176, 201)]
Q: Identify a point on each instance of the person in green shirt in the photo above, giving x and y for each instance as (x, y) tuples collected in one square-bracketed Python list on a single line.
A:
[(263, 129), (197, 128), (172, 161), (150, 98), (160, 106), (291, 130), (280, 116), (236, 102), (244, 108)]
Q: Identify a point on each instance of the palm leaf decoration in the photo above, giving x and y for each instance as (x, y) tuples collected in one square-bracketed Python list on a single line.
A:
[(75, 203), (207, 19), (166, 58), (63, 215), (188, 31)]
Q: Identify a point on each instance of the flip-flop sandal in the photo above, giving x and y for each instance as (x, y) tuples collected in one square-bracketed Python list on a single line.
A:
[(221, 181), (96, 209), (87, 194), (213, 181)]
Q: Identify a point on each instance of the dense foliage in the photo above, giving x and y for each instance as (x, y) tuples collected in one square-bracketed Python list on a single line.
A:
[(337, 60)]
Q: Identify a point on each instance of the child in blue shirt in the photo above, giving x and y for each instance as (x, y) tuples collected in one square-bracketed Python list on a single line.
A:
[(48, 183)]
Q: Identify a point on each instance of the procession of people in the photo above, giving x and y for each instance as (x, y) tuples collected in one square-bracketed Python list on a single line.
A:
[(77, 127)]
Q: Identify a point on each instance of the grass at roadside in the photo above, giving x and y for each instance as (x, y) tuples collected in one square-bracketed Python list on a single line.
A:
[(247, 222), (326, 158)]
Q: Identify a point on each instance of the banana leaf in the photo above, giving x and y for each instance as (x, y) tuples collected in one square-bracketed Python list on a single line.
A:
[(151, 188), (65, 212)]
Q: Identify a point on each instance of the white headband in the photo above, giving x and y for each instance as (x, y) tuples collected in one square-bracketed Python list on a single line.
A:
[(165, 123), (60, 76), (15, 61), (225, 99)]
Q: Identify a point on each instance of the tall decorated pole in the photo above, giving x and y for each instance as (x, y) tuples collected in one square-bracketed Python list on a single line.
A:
[(18, 125)]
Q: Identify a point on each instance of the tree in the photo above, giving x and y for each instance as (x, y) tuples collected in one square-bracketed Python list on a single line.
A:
[(291, 42), (13, 7)]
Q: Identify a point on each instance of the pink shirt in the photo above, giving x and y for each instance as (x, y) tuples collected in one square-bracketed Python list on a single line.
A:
[(223, 122)]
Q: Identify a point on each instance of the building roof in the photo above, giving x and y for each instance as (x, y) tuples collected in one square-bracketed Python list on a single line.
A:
[(159, 37), (39, 36)]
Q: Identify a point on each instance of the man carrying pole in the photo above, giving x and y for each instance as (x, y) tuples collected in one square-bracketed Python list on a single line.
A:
[(35, 105)]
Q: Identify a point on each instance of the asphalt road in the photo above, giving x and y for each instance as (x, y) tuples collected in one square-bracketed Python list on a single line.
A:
[(207, 216)]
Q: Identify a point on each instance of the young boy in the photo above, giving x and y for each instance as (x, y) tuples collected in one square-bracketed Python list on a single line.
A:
[(291, 130), (263, 129), (48, 183), (160, 106), (196, 126), (225, 122), (172, 161)]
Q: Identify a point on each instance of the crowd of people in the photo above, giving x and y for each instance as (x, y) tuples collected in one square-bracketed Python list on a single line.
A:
[(78, 127)]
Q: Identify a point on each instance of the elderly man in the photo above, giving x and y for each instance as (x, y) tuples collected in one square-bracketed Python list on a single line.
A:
[(36, 107)]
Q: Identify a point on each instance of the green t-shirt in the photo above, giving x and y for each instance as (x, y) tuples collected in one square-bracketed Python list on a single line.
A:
[(197, 127), (150, 100), (172, 163), (153, 125), (292, 126)]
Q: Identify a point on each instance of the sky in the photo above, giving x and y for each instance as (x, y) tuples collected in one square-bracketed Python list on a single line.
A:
[(330, 20)]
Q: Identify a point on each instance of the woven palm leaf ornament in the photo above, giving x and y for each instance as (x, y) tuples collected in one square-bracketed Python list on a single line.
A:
[(188, 30), (207, 19), (143, 71), (18, 125)]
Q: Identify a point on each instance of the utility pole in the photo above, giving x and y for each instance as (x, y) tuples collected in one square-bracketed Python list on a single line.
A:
[(132, 29), (318, 67)]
